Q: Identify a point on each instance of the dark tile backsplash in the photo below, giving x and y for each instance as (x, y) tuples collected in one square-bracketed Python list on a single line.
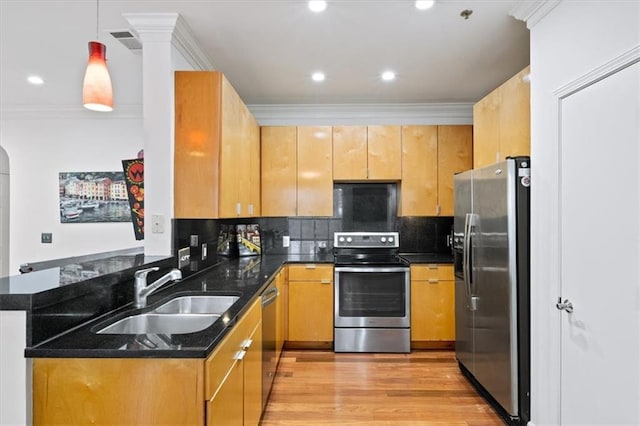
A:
[(312, 235)]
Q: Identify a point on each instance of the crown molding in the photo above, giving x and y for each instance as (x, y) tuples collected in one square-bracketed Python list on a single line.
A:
[(532, 11), (169, 27), (354, 114), (71, 112), (188, 47)]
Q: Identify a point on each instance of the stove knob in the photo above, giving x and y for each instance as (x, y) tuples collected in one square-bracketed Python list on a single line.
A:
[(349, 239), (341, 239), (390, 239), (383, 240)]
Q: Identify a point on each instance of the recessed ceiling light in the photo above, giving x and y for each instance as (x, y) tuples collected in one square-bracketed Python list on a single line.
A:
[(317, 76), (424, 4), (35, 80), (317, 5), (388, 75)]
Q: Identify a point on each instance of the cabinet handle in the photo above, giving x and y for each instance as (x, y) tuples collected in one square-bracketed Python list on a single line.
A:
[(433, 266), (438, 210), (433, 280), (238, 209), (325, 281), (247, 344), (251, 209), (310, 266), (240, 355)]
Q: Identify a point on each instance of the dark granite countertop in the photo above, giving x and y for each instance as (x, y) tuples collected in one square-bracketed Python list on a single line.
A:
[(427, 257), (67, 278), (243, 277)]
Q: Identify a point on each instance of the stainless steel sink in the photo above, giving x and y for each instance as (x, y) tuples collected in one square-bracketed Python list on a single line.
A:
[(153, 323), (197, 305)]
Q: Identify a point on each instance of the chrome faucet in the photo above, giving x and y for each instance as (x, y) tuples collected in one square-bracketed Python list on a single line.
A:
[(141, 290)]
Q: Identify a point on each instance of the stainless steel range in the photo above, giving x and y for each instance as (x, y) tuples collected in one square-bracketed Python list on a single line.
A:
[(372, 293)]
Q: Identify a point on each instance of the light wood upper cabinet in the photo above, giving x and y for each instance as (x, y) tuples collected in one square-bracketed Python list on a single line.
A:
[(430, 157), (419, 187), (384, 152), (367, 153), (455, 147), (217, 149), (279, 171), (502, 122), (349, 152), (315, 171)]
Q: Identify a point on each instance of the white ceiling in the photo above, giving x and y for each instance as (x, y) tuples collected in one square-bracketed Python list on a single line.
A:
[(269, 48)]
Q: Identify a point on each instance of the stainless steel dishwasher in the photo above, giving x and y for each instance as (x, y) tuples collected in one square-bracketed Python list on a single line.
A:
[(269, 359)]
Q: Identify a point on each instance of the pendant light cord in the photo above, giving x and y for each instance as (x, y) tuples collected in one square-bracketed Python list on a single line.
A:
[(97, 20)]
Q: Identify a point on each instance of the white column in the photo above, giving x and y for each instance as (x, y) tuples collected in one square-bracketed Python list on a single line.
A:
[(167, 45)]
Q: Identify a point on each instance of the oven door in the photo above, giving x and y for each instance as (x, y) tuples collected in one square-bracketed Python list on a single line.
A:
[(372, 296)]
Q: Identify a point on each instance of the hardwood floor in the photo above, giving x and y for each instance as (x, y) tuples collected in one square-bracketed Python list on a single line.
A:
[(421, 388)]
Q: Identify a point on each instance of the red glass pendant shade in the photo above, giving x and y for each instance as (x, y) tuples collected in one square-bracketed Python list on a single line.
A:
[(97, 94)]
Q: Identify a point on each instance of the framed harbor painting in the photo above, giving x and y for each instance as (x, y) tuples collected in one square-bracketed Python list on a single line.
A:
[(89, 197)]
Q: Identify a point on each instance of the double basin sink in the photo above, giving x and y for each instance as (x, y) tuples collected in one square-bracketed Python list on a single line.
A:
[(180, 315)]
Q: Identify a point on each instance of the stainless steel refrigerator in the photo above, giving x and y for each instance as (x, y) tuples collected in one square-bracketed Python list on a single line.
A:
[(491, 262)]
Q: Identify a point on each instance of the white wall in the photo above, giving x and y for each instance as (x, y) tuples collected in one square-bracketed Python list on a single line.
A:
[(39, 148), (572, 40), (4, 213)]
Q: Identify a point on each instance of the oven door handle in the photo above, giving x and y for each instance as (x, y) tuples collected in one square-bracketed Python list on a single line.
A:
[(371, 269)]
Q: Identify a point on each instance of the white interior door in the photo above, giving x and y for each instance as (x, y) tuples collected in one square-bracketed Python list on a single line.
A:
[(4, 213), (600, 239)]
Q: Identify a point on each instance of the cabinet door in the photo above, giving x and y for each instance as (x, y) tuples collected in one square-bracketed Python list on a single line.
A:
[(486, 130), (315, 176), (253, 378), (227, 406), (418, 194), (311, 304), (515, 116), (279, 188), (234, 167), (197, 144), (251, 195), (384, 152), (432, 303), (455, 148), (349, 152)]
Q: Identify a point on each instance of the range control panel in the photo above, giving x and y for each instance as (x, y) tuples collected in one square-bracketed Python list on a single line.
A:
[(366, 239)]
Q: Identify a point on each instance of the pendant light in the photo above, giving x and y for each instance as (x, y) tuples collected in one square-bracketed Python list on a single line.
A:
[(97, 94)]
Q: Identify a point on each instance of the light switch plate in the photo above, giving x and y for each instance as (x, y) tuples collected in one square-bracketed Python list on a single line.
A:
[(46, 238), (194, 241), (285, 241), (204, 251)]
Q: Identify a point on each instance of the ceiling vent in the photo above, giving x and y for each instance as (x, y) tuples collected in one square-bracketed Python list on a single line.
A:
[(128, 40)]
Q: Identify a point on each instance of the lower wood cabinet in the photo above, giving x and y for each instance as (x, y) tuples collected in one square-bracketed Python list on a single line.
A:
[(224, 389), (432, 306), (311, 305)]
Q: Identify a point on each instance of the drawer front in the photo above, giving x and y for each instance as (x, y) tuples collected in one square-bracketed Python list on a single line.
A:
[(439, 272), (222, 359), (311, 272)]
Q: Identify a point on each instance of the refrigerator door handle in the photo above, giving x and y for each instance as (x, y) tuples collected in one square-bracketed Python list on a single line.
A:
[(469, 222)]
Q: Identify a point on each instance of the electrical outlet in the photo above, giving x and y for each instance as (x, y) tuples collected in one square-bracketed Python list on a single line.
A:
[(157, 224), (204, 251), (194, 241), (285, 241), (184, 257), (46, 238)]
